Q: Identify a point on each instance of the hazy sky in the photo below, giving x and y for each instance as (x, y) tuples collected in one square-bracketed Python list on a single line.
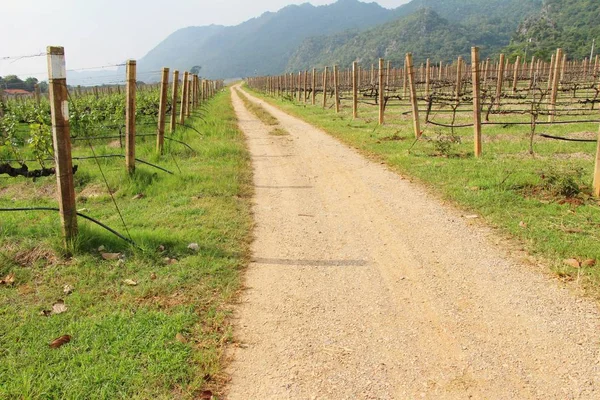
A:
[(106, 32)]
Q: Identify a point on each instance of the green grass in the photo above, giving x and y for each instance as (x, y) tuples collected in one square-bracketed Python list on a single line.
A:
[(124, 341), (258, 110), (510, 189), (279, 132)]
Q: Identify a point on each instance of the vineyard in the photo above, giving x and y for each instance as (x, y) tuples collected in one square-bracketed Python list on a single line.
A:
[(515, 141), (131, 258)]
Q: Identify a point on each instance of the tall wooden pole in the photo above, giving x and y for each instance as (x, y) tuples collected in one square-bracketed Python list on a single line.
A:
[(305, 84), (476, 100), (174, 97), (413, 94), (314, 87), (597, 170), (500, 82), (427, 77), (184, 91), (354, 90), (516, 75), (325, 88), (188, 98), (336, 84), (61, 139), (130, 116), (555, 82), (381, 91), (162, 110)]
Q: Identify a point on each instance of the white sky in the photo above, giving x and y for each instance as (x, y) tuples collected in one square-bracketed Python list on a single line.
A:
[(107, 32)]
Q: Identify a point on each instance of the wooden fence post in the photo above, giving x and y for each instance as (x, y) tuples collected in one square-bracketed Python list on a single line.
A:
[(413, 94), (305, 83), (555, 82), (162, 110), (174, 97), (516, 75), (476, 100), (130, 117), (314, 87), (336, 84), (37, 94), (325, 88), (188, 98), (184, 89), (459, 71), (405, 81), (500, 80), (381, 91), (427, 77), (597, 170), (61, 139), (354, 90)]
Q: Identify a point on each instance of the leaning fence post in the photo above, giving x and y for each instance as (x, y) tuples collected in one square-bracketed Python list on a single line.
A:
[(162, 110), (413, 94), (476, 100), (130, 116), (59, 107)]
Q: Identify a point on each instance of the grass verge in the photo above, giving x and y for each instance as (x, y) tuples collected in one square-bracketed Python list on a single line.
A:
[(543, 200), (161, 338), (258, 110)]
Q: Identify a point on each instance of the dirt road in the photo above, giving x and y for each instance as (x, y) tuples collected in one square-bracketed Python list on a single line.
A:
[(363, 286)]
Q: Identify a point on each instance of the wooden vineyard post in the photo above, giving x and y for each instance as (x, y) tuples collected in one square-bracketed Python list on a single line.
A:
[(413, 94), (516, 75), (61, 139), (305, 84), (405, 81), (555, 81), (336, 84), (195, 97), (476, 100), (500, 80), (387, 73), (354, 90), (381, 91), (37, 94), (314, 87), (184, 89), (299, 87), (188, 98), (174, 100), (459, 65), (162, 110), (597, 169), (325, 88), (130, 116), (427, 75)]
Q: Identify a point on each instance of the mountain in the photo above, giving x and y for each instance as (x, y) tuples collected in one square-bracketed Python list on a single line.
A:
[(437, 29), (423, 33), (569, 24), (261, 45)]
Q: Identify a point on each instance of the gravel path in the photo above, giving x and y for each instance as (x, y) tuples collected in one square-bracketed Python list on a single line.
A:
[(363, 286)]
